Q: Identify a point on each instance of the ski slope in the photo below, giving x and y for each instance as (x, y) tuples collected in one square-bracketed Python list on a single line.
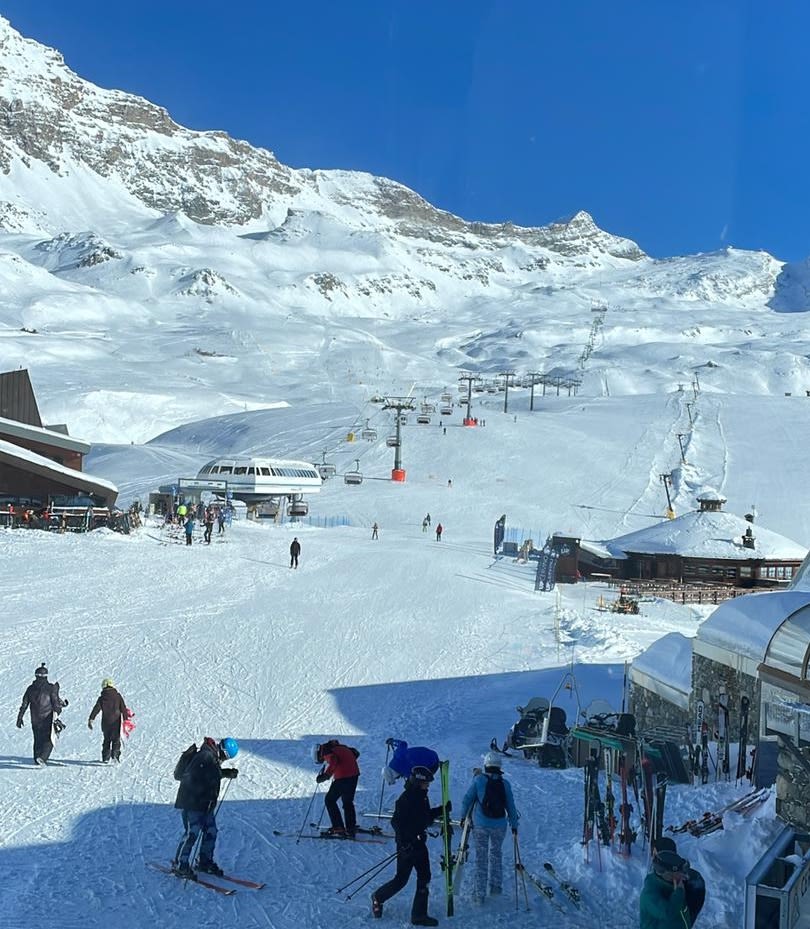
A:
[(407, 637)]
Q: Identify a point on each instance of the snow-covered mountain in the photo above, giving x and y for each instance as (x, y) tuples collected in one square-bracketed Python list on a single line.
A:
[(213, 279)]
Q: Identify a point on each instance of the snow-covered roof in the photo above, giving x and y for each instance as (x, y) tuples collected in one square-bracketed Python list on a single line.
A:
[(746, 625), (19, 457), (600, 550), (708, 534), (10, 427), (665, 668)]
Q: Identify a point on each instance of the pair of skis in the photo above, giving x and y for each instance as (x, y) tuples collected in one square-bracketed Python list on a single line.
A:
[(546, 888), (712, 819), (208, 884)]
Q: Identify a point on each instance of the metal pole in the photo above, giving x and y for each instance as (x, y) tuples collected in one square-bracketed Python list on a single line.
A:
[(681, 436)]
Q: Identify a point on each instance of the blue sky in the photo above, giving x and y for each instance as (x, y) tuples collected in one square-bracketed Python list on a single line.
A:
[(683, 126)]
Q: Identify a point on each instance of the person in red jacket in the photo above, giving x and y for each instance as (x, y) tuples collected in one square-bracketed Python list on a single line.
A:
[(340, 764)]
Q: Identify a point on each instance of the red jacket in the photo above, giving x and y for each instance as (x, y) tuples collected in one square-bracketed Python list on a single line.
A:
[(341, 761)]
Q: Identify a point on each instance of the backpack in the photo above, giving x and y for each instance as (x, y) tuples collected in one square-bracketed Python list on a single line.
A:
[(183, 761), (493, 803)]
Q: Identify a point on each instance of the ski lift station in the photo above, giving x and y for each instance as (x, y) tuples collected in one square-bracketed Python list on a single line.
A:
[(256, 480)]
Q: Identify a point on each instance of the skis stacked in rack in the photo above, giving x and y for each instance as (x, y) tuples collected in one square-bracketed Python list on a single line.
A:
[(712, 820)]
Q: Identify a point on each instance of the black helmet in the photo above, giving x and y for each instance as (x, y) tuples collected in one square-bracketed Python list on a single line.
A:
[(41, 671), (421, 775), (666, 862)]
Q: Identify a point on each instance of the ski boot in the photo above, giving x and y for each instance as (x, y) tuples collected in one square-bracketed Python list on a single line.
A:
[(419, 915), (183, 869), (376, 907), (209, 867)]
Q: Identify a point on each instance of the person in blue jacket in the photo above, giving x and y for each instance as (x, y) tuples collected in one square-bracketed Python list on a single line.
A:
[(490, 803), (405, 759)]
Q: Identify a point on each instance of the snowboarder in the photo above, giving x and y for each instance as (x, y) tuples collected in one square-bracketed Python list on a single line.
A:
[(189, 528), (200, 774), (374, 531), (412, 816), (662, 904), (113, 711), (405, 759), (45, 704), (490, 802), (295, 551), (340, 764), (439, 531)]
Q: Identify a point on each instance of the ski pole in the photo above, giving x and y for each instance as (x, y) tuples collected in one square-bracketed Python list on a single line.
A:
[(306, 815), (374, 867), (522, 871), (382, 779), (375, 871)]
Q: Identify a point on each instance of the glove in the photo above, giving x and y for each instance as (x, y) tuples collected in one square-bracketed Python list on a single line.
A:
[(448, 806), (230, 773), (19, 723), (65, 701), (89, 725), (320, 778)]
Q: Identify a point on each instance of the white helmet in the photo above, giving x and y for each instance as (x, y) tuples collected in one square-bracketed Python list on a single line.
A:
[(492, 760)]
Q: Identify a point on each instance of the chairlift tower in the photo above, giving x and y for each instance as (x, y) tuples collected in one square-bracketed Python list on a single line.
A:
[(666, 479), (398, 404), (507, 380), (536, 377), (468, 378)]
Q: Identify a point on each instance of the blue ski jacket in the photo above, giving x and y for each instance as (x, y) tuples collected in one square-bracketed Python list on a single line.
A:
[(474, 796)]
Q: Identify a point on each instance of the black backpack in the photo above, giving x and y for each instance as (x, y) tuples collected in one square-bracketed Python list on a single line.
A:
[(183, 762), (493, 803)]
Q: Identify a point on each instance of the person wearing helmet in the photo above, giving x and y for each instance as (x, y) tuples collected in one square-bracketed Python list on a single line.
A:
[(490, 802), (43, 699), (412, 816), (340, 764), (113, 711), (200, 774), (662, 904)]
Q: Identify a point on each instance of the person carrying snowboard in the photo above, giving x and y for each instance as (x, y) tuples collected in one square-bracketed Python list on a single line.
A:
[(45, 704), (412, 816), (113, 711), (340, 764), (490, 802), (200, 774), (295, 551)]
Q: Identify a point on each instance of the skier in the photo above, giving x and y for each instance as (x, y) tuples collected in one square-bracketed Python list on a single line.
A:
[(489, 801), (662, 904), (181, 513), (113, 711), (439, 531), (340, 764), (220, 521), (209, 524), (374, 530), (189, 528), (427, 518), (405, 759), (694, 886), (200, 773), (412, 816), (425, 525), (45, 703), (295, 551)]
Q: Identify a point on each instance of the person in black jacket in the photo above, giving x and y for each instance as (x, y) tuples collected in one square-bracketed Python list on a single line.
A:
[(43, 699), (200, 774), (113, 710), (412, 816), (295, 551)]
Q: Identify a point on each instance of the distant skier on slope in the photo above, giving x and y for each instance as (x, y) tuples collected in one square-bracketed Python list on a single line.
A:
[(405, 759), (412, 816), (189, 528), (200, 774), (113, 711), (43, 699), (340, 764), (490, 802), (439, 531), (295, 551)]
